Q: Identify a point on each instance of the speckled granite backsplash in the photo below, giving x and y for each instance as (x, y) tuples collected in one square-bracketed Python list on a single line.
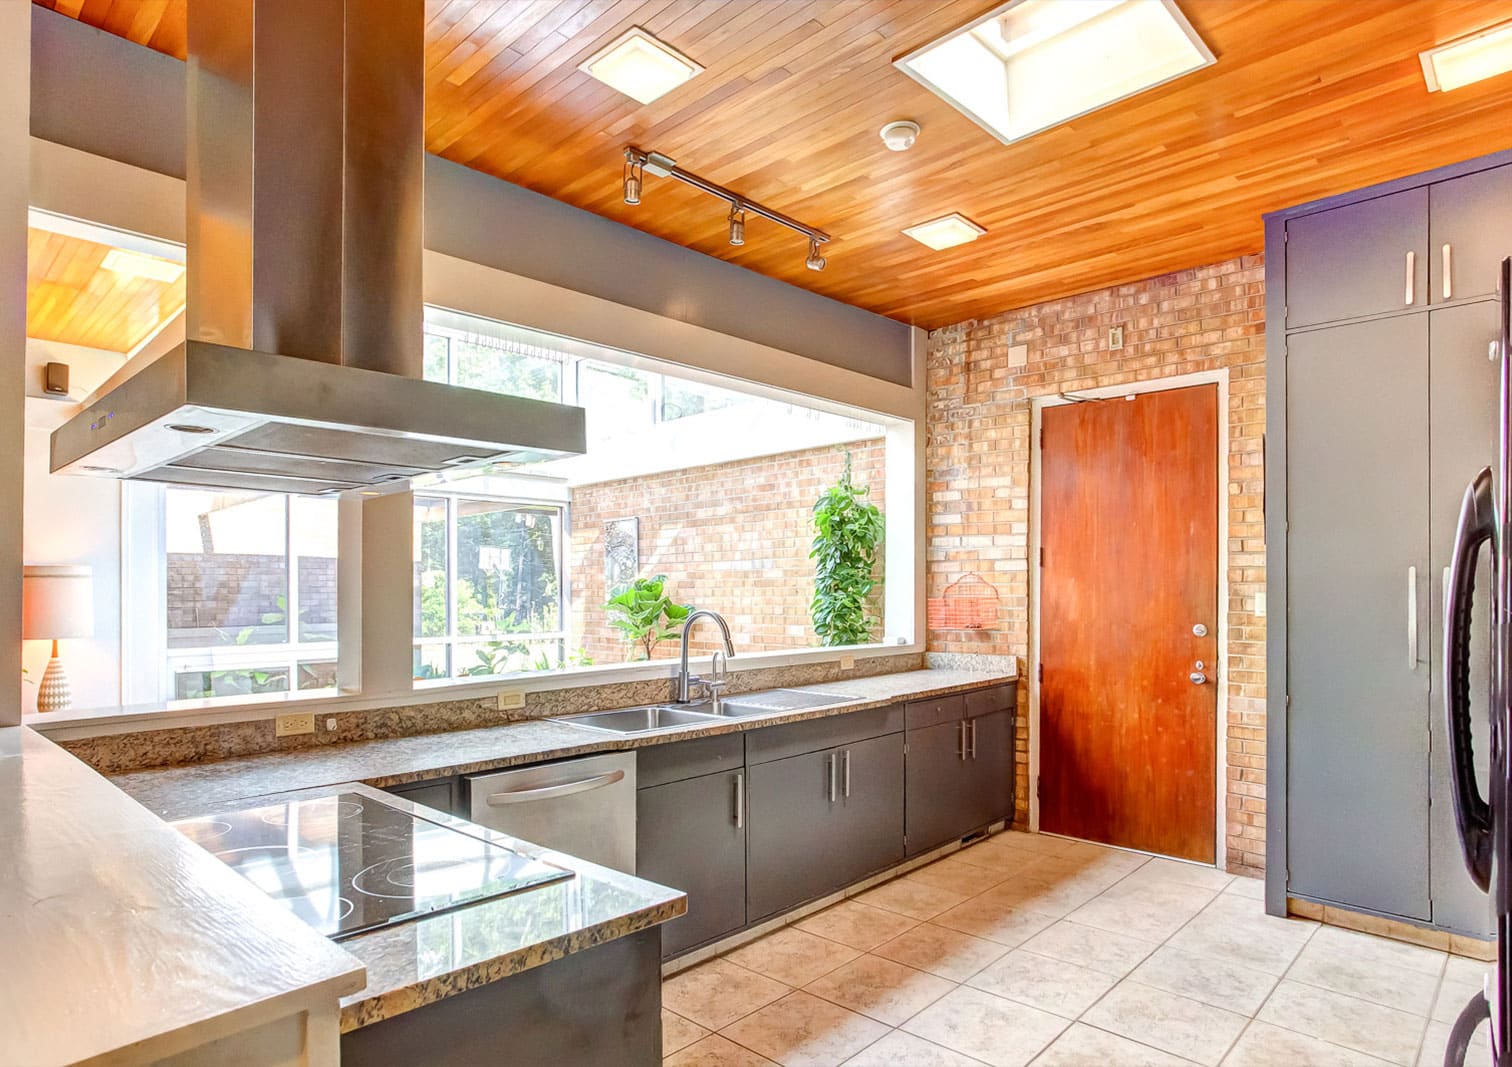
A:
[(119, 753)]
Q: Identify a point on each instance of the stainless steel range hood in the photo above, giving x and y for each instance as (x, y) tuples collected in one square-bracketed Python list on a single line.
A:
[(302, 371)]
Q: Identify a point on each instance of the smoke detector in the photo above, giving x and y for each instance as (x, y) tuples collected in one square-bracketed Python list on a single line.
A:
[(900, 136)]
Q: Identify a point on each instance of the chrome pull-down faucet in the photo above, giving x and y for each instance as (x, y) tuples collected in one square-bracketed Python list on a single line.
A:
[(684, 679)]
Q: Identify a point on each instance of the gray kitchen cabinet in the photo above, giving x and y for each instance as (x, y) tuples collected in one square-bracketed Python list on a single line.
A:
[(1363, 259), (690, 834), (822, 820), (935, 796), (1358, 614), (989, 769), (1463, 417), (868, 834), (960, 765), (792, 832), (438, 793), (1470, 231), (1374, 429)]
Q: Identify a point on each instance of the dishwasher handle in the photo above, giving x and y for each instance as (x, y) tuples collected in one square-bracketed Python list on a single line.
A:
[(561, 789)]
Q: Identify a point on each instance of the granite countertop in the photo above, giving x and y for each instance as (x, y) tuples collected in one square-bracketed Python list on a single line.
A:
[(414, 963), (193, 789), (124, 941)]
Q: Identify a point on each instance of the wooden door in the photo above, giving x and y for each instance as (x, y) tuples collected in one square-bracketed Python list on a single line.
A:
[(1128, 523)]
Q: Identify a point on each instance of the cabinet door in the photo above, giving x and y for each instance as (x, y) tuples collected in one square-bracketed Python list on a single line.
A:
[(1471, 217), (1357, 513), (791, 831), (1463, 418), (690, 835), (869, 831), (440, 794), (1354, 260), (988, 793), (934, 794)]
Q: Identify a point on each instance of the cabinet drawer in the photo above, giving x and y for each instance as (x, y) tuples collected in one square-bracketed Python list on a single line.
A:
[(779, 742), (986, 701), (680, 760), (922, 714)]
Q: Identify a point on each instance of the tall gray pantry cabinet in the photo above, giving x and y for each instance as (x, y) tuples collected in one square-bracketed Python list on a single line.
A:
[(1381, 312)]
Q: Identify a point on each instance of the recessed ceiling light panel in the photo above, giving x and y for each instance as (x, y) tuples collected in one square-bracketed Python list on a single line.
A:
[(947, 232), (122, 261), (1032, 64), (640, 66), (1473, 59)]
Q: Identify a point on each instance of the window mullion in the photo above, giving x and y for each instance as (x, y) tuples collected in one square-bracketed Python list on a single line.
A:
[(451, 583)]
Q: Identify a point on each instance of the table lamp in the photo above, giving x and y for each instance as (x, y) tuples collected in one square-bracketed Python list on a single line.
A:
[(56, 603)]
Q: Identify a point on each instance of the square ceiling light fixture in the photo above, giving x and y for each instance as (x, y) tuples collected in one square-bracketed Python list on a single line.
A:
[(947, 232), (1032, 64), (640, 66), (1472, 59)]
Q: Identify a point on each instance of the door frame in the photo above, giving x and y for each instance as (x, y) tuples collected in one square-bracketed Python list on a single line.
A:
[(1037, 404)]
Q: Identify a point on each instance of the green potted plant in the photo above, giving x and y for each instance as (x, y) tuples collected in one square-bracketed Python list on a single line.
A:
[(847, 530), (645, 614)]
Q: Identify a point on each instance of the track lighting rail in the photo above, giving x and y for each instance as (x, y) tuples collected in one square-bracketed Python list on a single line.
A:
[(638, 163)]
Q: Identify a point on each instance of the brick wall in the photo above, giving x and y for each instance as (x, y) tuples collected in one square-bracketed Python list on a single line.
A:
[(228, 592), (982, 375), (733, 537)]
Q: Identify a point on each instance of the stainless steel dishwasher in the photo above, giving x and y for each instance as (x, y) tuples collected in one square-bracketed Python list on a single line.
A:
[(583, 807)]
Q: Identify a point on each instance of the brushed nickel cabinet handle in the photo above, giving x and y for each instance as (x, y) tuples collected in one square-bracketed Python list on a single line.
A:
[(847, 772), (1411, 264), (1412, 623), (1448, 273), (832, 767)]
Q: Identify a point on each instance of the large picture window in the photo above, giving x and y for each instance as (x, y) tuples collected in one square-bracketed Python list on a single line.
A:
[(707, 486), (249, 592)]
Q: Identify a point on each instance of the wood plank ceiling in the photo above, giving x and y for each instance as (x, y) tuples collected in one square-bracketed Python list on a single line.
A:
[(1308, 98), (71, 297)]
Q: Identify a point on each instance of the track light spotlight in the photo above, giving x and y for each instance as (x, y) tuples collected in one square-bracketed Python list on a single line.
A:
[(737, 225), (815, 261), (633, 178)]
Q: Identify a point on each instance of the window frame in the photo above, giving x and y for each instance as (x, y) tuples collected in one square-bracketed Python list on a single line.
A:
[(451, 639)]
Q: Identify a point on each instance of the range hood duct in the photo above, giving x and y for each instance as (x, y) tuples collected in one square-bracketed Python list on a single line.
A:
[(302, 368)]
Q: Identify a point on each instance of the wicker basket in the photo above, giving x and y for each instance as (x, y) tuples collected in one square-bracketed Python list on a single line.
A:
[(968, 603)]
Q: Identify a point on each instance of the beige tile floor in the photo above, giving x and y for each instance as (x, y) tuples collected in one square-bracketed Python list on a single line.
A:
[(1033, 949)]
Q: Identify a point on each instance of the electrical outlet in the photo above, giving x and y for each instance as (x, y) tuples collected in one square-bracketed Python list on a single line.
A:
[(847, 663), (288, 725), (1115, 338), (1260, 603), (511, 701)]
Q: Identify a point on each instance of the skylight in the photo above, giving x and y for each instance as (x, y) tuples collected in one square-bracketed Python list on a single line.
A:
[(1033, 64)]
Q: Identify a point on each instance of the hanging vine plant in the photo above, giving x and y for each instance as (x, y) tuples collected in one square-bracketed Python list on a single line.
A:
[(847, 530)]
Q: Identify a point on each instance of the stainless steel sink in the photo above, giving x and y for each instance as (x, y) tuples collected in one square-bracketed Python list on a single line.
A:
[(774, 701), (640, 720)]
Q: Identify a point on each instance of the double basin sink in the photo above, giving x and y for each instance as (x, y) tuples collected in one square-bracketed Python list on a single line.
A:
[(655, 718)]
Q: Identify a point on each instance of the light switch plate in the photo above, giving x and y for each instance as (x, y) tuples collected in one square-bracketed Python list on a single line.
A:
[(847, 663), (511, 701), (1260, 603), (288, 725)]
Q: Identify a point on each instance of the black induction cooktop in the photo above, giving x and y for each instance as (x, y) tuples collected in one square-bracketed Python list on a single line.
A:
[(349, 863)]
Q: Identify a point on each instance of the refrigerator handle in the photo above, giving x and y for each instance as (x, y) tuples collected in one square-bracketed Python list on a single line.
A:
[(1472, 814)]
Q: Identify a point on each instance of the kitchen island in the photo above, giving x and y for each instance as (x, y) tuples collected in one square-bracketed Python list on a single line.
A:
[(125, 943)]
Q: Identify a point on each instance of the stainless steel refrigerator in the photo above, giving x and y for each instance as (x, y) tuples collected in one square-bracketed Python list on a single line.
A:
[(1485, 822)]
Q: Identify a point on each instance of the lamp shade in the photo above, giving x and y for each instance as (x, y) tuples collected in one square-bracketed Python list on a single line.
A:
[(56, 602)]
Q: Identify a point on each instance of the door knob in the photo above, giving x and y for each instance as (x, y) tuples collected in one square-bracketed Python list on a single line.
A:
[(1198, 678)]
